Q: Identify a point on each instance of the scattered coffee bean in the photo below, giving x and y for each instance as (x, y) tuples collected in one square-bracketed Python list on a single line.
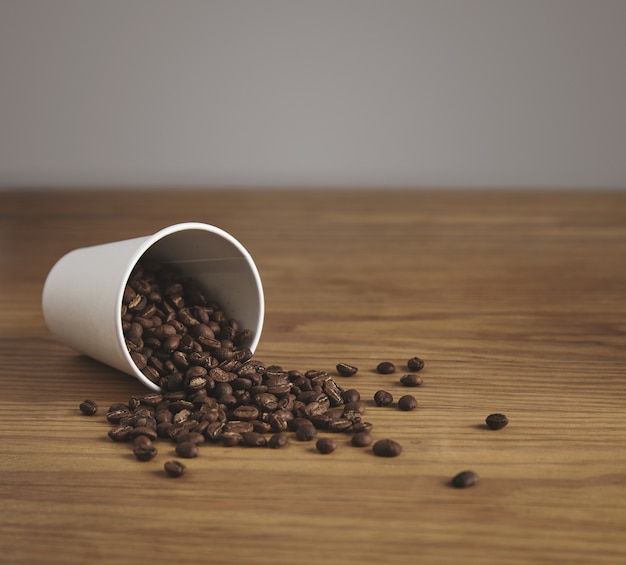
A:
[(387, 448), (145, 431), (496, 421), (383, 398), (278, 440), (407, 403), (361, 439), (174, 468), (143, 449), (346, 370), (325, 445), (254, 439), (465, 479), (351, 395), (412, 379), (386, 368), (88, 407), (187, 450), (120, 433), (305, 432), (415, 364), (230, 439)]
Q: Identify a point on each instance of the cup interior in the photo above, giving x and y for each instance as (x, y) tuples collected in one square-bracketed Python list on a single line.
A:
[(217, 263)]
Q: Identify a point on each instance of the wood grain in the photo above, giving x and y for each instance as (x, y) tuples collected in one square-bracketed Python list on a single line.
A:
[(514, 299)]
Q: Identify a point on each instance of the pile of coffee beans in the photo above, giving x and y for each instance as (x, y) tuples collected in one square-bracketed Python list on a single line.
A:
[(213, 391), (175, 335)]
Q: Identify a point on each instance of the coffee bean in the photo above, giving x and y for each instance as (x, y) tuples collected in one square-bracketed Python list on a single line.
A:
[(351, 395), (278, 440), (193, 437), (325, 445), (361, 439), (143, 449), (346, 370), (254, 439), (88, 407), (465, 479), (174, 468), (230, 439), (246, 413), (362, 427), (496, 421), (387, 448), (340, 425), (386, 368), (306, 432), (117, 412), (383, 398), (187, 450), (415, 364), (146, 431), (412, 380), (120, 433), (407, 403)]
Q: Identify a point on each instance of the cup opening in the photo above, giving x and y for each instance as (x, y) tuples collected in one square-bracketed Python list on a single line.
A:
[(216, 262)]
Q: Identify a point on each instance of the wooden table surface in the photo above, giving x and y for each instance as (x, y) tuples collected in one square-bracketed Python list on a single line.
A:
[(516, 301)]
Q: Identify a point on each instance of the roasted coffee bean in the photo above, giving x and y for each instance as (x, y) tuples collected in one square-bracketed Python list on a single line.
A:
[(143, 449), (182, 416), (238, 426), (139, 359), (316, 408), (464, 479), (261, 427), (174, 468), (351, 395), (411, 380), (180, 430), (362, 427), (305, 432), (88, 407), (230, 439), (278, 440), (361, 439), (120, 433), (386, 368), (407, 403), (266, 401), (387, 448), (383, 398), (193, 437), (496, 421), (415, 364), (151, 399), (164, 415), (214, 431), (340, 425), (246, 413), (325, 445), (187, 449), (254, 439), (145, 431), (164, 430), (333, 391), (117, 412), (346, 370)]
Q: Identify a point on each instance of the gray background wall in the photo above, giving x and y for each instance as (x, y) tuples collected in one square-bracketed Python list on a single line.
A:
[(317, 92)]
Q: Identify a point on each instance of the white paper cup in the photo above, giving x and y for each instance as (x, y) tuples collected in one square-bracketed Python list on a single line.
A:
[(82, 295)]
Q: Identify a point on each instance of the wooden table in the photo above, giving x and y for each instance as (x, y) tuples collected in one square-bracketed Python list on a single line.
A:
[(516, 300)]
